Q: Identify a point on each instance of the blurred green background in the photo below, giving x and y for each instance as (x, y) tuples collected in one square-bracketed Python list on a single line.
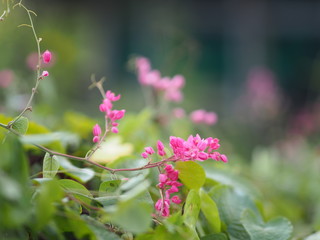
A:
[(216, 45)]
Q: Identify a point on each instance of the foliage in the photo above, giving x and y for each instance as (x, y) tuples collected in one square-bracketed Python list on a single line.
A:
[(48, 192)]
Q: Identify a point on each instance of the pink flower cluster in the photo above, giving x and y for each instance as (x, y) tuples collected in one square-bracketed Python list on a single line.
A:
[(168, 184), (113, 115), (148, 77), (202, 116), (149, 150), (196, 148)]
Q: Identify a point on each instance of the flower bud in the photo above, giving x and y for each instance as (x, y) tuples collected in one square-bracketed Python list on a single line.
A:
[(46, 56)]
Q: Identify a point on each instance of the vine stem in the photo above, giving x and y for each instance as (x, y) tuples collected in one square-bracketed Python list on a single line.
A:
[(87, 159), (39, 77)]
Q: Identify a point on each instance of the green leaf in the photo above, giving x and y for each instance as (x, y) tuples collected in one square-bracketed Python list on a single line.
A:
[(133, 216), (71, 223), (231, 204), (99, 229), (279, 228), (192, 208), (49, 192), (237, 231), (108, 187), (216, 236), (227, 177), (135, 187), (210, 211), (50, 166), (80, 174), (9, 188), (191, 174), (77, 190), (21, 125)]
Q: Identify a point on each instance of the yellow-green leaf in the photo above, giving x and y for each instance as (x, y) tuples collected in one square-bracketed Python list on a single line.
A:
[(191, 174)]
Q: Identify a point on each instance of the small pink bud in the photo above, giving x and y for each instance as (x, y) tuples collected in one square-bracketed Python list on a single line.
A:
[(96, 130), (176, 200), (197, 116), (160, 148), (149, 150), (224, 158), (45, 74), (177, 81), (46, 56), (96, 139), (102, 107), (210, 118), (202, 156), (144, 155), (162, 178), (173, 189), (178, 112), (114, 130)]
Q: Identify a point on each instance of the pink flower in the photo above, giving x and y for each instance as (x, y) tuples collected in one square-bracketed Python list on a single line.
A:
[(96, 139), (144, 155), (116, 114), (210, 118), (6, 77), (178, 112), (174, 95), (162, 206), (96, 130), (152, 77), (114, 130), (169, 184), (96, 133), (160, 148), (143, 67), (198, 116), (143, 64), (196, 148), (162, 84), (176, 199), (45, 74), (149, 150), (46, 56), (177, 82), (112, 97), (162, 178)]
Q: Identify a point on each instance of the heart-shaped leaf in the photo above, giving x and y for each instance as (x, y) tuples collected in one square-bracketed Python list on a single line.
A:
[(278, 228)]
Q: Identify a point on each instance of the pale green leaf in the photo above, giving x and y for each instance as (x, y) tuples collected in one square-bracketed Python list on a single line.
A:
[(210, 211), (77, 190), (192, 208), (133, 216), (191, 174), (99, 229), (50, 166), (21, 125), (49, 192), (80, 174)]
